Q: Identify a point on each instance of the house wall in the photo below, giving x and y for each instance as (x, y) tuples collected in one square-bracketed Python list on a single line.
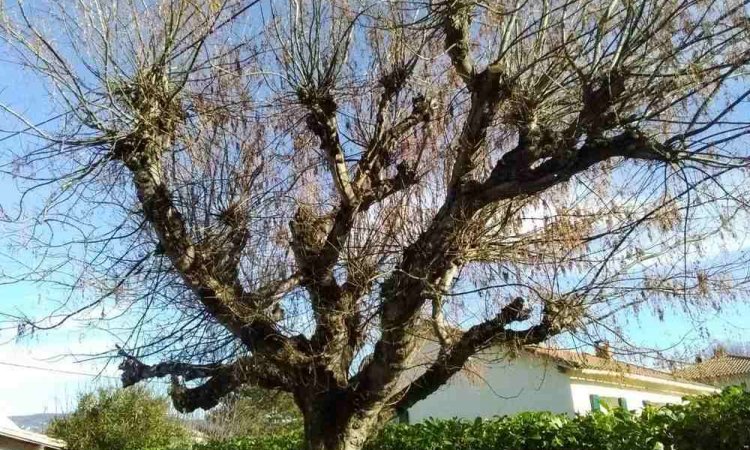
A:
[(582, 391), (503, 387)]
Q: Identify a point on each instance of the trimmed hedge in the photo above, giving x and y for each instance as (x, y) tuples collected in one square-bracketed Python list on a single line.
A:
[(716, 422), (279, 441)]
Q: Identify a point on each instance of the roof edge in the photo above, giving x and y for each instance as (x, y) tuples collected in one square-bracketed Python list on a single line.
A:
[(684, 386), (31, 437)]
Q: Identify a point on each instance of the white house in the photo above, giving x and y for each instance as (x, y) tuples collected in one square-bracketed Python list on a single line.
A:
[(14, 438), (722, 370), (543, 379)]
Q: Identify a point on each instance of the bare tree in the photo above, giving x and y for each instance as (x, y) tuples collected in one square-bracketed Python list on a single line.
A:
[(289, 195), (723, 348)]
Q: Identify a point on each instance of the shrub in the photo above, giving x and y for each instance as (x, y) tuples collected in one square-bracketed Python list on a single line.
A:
[(119, 419), (278, 441), (720, 422), (254, 411), (710, 422), (527, 430), (715, 422)]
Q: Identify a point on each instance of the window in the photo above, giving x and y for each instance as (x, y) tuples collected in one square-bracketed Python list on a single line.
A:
[(402, 416), (607, 404)]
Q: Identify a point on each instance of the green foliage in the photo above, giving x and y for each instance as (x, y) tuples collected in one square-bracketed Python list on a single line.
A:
[(709, 423), (435, 435), (254, 411), (291, 440), (715, 422), (525, 431), (119, 419)]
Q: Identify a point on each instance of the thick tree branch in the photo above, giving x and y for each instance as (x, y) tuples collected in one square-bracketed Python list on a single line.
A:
[(204, 396), (321, 120), (489, 90), (427, 260), (317, 242), (317, 251), (134, 371), (425, 263), (381, 189), (439, 325), (221, 379), (451, 360), (437, 250), (455, 21), (367, 180), (509, 180), (142, 157)]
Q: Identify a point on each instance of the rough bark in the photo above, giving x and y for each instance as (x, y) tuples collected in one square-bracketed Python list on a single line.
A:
[(328, 423)]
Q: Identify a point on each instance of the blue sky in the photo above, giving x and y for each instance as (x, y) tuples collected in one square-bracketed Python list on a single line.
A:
[(58, 378)]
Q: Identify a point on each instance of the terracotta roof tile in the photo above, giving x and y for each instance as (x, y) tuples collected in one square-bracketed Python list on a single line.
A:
[(716, 368), (581, 360)]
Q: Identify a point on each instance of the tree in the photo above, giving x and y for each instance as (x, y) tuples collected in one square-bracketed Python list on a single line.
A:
[(254, 412), (288, 195), (122, 419), (722, 348)]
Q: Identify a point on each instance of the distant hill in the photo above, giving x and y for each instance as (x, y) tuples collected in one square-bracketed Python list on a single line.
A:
[(39, 422), (34, 422)]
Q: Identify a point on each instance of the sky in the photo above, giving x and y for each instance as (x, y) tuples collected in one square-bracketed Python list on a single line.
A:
[(40, 374), (48, 371)]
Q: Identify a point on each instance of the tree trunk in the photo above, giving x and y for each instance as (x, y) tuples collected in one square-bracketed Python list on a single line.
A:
[(323, 439), (331, 423)]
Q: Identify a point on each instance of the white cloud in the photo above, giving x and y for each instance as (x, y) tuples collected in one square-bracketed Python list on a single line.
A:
[(43, 376)]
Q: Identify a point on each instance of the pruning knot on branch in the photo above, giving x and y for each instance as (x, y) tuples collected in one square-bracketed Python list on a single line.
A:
[(132, 368), (394, 80), (515, 311), (423, 107)]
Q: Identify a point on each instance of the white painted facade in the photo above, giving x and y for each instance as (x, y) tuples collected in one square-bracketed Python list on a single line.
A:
[(530, 383), (525, 383)]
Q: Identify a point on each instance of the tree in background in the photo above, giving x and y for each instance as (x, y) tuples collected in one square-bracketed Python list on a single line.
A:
[(722, 348), (119, 419), (254, 411), (735, 348), (288, 194)]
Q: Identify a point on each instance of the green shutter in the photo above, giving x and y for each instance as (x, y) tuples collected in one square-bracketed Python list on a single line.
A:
[(623, 403), (595, 404), (403, 416)]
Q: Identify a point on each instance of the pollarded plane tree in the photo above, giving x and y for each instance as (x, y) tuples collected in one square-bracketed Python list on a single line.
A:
[(294, 195)]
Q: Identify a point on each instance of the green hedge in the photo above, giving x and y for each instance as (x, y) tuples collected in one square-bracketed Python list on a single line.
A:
[(716, 422), (279, 441)]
